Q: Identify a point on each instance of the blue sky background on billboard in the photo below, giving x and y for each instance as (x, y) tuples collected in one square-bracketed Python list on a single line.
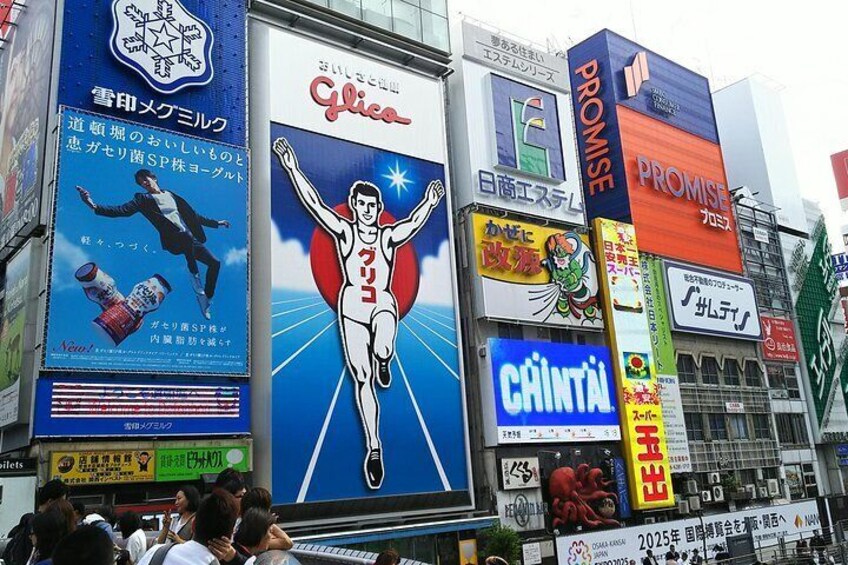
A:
[(723, 41)]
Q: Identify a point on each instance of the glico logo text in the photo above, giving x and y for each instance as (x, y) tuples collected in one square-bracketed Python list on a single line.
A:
[(352, 100), (590, 117)]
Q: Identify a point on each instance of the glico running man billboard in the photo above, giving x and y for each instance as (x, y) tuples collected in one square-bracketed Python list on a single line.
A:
[(26, 47), (148, 266), (650, 153), (174, 64), (367, 389)]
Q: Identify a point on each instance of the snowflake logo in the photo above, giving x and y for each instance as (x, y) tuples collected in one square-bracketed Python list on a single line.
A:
[(166, 44)]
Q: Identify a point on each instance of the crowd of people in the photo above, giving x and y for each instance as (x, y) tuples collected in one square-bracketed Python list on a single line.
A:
[(232, 525), (813, 552)]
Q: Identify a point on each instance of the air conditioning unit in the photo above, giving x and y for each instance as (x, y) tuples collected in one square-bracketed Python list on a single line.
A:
[(713, 478), (706, 496), (774, 487), (683, 507), (718, 493), (695, 503), (751, 490), (764, 492), (691, 487)]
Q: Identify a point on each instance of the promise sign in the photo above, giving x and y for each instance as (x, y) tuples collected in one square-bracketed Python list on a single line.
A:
[(645, 449)]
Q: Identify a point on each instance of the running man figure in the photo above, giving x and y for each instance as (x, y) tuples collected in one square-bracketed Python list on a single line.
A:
[(367, 309), (180, 230)]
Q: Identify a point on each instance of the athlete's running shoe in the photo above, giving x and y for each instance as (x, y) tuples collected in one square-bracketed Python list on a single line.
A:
[(374, 469), (384, 376)]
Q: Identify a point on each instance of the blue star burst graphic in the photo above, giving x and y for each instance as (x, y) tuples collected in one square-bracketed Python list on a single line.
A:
[(398, 178)]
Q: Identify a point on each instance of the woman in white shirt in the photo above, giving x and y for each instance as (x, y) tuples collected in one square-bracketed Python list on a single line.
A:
[(185, 505), (130, 525)]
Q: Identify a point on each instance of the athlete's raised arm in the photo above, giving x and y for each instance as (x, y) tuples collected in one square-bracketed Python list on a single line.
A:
[(306, 192), (406, 229)]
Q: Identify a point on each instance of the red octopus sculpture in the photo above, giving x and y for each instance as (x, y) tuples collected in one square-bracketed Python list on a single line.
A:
[(573, 492)]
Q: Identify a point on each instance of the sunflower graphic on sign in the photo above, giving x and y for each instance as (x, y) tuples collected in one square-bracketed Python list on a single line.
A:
[(637, 366)]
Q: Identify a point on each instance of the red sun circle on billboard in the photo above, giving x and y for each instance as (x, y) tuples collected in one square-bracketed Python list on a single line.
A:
[(327, 273)]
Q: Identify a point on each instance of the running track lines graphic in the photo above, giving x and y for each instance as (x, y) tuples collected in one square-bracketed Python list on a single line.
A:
[(292, 311), (442, 316), (292, 357), (278, 302), (435, 333), (300, 323), (436, 460), (417, 310), (433, 353), (316, 452)]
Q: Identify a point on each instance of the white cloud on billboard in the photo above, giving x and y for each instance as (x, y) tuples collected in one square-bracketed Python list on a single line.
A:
[(436, 278), (292, 270), (67, 258)]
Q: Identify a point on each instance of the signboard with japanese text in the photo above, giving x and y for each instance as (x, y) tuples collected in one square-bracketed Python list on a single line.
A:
[(367, 403), (13, 335), (840, 267), (513, 145), (549, 392), (768, 526), (26, 38), (519, 473), (513, 57), (534, 274), (76, 468), (645, 448), (779, 342), (175, 64), (522, 510), (104, 408), (815, 299), (189, 463), (151, 251), (712, 303)]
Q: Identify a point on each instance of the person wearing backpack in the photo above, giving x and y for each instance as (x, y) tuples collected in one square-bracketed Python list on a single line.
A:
[(19, 548)]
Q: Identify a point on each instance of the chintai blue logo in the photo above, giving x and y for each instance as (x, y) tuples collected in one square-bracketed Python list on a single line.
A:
[(163, 42), (527, 128)]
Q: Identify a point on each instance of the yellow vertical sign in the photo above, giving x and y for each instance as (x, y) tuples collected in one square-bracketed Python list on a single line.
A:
[(646, 453)]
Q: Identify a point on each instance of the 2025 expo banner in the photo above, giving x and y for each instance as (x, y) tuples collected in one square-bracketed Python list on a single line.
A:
[(148, 268), (367, 391)]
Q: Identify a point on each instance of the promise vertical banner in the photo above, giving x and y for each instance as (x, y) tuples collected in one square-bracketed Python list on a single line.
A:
[(645, 449)]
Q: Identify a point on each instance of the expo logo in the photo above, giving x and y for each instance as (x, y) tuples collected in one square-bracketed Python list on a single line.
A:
[(579, 554), (527, 129)]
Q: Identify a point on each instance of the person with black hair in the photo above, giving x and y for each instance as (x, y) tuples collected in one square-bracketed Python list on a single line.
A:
[(233, 482), (185, 506), (213, 526), (254, 535), (79, 511), (88, 544), (130, 526), (19, 549), (48, 528), (180, 230), (259, 497), (388, 557), (103, 517)]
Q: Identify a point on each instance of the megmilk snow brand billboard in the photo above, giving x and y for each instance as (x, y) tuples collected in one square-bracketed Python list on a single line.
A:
[(148, 267), (367, 390), (534, 274), (707, 302), (645, 450), (25, 64), (168, 407), (13, 334), (514, 139), (175, 64), (549, 392), (649, 151)]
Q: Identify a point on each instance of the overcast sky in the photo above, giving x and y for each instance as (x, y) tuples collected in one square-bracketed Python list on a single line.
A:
[(802, 46)]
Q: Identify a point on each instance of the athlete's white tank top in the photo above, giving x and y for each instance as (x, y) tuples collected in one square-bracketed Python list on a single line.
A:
[(368, 273)]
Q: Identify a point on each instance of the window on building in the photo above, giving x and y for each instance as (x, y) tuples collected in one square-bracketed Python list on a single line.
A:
[(559, 335), (718, 428), (694, 427), (791, 429), (709, 370), (731, 372), (686, 368), (762, 426), (739, 426), (783, 380), (510, 331), (753, 374)]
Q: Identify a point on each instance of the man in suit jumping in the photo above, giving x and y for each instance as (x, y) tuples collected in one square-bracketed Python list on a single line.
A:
[(180, 230)]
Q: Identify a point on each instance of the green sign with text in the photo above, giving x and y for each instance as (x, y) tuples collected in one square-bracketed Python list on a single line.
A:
[(189, 463)]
